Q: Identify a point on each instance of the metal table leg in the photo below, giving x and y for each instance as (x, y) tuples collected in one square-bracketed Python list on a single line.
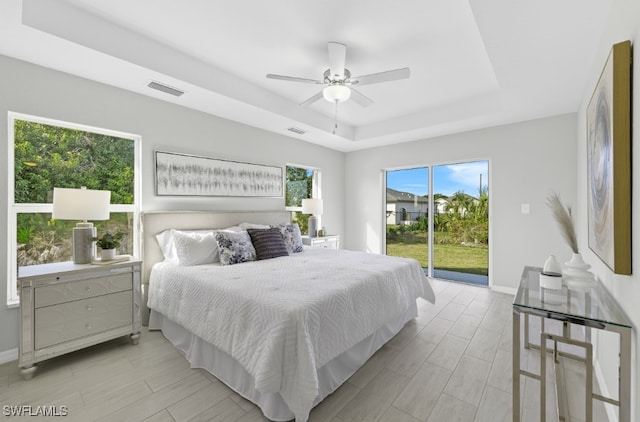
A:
[(624, 386), (516, 365)]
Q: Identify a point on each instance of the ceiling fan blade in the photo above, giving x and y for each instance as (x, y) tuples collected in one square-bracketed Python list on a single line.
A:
[(294, 79), (389, 75), (337, 57), (360, 98), (311, 100)]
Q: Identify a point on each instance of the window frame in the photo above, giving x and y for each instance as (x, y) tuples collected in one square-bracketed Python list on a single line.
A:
[(316, 184), (316, 188), (13, 209)]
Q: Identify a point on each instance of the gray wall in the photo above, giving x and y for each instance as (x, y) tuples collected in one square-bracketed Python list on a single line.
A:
[(30, 89), (623, 24), (526, 162)]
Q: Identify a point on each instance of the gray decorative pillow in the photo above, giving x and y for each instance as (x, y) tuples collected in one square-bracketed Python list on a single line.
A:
[(235, 247), (268, 243), (292, 237)]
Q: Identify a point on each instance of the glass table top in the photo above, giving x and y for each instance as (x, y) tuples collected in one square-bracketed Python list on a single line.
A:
[(595, 305)]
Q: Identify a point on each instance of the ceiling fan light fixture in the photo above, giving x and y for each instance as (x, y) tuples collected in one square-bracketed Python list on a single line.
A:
[(336, 93)]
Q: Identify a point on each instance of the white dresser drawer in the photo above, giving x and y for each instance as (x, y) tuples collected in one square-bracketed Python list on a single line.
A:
[(326, 244), (67, 321), (75, 290)]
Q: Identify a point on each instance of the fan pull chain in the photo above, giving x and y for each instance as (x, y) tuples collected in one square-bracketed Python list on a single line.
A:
[(335, 127)]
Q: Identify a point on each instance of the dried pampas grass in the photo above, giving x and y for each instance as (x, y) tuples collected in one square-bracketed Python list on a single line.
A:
[(563, 217)]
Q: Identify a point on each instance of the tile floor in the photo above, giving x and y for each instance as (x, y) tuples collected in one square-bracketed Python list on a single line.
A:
[(452, 363)]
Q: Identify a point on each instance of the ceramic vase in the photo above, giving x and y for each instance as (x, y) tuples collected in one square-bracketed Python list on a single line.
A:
[(107, 254), (577, 275), (552, 266)]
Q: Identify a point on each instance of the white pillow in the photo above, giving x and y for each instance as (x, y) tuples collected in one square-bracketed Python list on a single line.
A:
[(168, 248), (195, 248)]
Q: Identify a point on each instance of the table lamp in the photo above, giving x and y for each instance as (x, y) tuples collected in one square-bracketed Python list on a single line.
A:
[(81, 204), (312, 206)]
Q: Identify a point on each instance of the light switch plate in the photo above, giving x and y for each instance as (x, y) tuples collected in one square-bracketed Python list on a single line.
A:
[(524, 208)]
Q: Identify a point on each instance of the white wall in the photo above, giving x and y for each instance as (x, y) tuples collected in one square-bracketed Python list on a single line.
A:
[(623, 24), (526, 162), (30, 89)]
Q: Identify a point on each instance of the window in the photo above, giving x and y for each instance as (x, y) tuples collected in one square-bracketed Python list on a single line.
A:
[(302, 182), (44, 154)]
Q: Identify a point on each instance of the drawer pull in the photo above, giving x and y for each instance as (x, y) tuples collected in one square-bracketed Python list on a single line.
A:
[(88, 326), (89, 308), (89, 288)]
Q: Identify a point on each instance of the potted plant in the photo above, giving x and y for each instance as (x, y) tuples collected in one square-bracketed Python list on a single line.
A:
[(108, 244)]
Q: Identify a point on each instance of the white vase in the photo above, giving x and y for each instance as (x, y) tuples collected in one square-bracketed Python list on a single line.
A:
[(577, 275), (552, 266), (108, 254), (553, 282)]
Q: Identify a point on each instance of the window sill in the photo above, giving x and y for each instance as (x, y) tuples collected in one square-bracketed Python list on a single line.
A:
[(13, 304)]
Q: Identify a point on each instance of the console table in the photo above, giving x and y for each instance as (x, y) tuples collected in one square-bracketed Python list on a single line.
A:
[(594, 308)]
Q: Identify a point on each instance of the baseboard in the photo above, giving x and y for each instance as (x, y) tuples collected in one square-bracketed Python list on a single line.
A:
[(612, 415), (503, 289), (8, 356)]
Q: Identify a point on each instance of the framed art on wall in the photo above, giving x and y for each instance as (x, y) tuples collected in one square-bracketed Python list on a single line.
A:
[(609, 162), (190, 175)]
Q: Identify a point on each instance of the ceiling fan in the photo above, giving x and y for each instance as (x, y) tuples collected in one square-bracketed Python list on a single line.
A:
[(339, 85)]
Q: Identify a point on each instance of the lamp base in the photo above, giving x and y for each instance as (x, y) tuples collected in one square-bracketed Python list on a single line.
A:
[(83, 247), (313, 226)]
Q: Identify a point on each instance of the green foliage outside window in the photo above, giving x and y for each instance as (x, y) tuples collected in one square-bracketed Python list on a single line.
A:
[(465, 221), (461, 235), (51, 156), (299, 185)]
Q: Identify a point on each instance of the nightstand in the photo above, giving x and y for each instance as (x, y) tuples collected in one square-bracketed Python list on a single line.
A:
[(65, 307), (324, 242)]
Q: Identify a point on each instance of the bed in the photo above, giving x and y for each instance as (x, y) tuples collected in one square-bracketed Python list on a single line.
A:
[(283, 332)]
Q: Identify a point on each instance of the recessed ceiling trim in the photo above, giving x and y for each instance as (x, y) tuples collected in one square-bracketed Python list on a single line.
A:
[(73, 36)]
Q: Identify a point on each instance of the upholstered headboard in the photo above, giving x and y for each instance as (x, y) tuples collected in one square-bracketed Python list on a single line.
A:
[(154, 222)]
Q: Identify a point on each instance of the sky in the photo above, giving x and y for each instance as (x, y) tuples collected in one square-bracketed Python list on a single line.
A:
[(447, 179)]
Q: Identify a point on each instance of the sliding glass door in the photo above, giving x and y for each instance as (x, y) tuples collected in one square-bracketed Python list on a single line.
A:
[(407, 214), (452, 241)]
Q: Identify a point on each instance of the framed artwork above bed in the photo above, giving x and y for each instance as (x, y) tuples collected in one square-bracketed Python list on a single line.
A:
[(189, 175), (609, 162)]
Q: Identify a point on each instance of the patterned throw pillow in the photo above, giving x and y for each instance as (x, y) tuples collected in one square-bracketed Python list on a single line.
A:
[(268, 243), (235, 247), (292, 237)]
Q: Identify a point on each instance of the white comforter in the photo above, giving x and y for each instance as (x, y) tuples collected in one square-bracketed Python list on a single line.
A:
[(283, 318)]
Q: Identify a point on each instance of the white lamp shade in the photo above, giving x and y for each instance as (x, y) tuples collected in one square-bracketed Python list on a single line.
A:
[(336, 93), (312, 206), (80, 204)]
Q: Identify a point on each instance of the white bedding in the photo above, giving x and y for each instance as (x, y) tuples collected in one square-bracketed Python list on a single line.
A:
[(304, 309)]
